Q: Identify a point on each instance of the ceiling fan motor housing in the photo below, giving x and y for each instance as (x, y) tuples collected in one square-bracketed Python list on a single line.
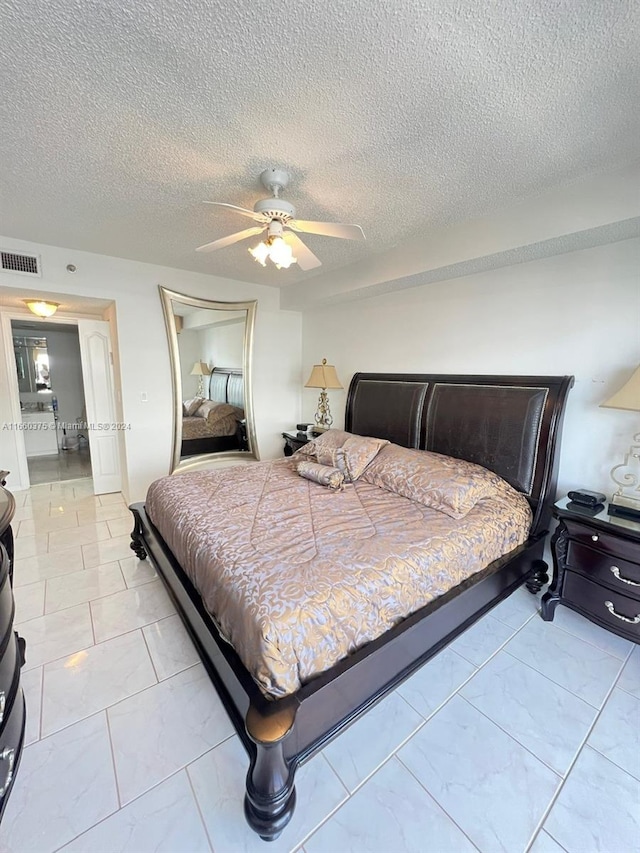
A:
[(275, 208)]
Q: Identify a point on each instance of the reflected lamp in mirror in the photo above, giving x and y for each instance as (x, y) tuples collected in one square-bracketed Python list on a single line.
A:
[(323, 376), (200, 369), (626, 499)]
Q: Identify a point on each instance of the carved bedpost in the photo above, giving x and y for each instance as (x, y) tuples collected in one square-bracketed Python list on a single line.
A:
[(538, 578), (270, 799), (559, 546), (137, 544)]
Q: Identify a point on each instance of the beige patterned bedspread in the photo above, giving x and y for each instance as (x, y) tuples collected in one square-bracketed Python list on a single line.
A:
[(221, 420), (297, 576)]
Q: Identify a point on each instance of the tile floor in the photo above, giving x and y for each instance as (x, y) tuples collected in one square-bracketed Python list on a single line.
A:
[(521, 735), (65, 465)]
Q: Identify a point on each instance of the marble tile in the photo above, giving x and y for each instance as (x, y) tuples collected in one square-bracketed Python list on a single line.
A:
[(391, 812), (136, 572), (367, 744), (597, 808), (65, 785), (89, 681), (163, 728), (517, 609), (629, 680), (48, 524), (494, 789), (218, 780), (29, 601), (544, 717), (111, 498), (56, 635), (481, 640), (31, 683), (164, 820), (130, 609), (93, 514), (170, 646), (578, 666), (439, 679), (30, 546), (76, 587), (61, 506), (78, 536), (107, 551), (544, 843), (28, 570), (617, 733), (120, 526), (21, 513), (588, 631)]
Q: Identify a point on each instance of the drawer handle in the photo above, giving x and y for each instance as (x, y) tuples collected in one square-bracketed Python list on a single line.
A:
[(610, 608), (595, 537), (3, 702), (10, 756), (615, 571)]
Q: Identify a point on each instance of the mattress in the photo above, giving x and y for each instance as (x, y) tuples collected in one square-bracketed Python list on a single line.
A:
[(297, 577)]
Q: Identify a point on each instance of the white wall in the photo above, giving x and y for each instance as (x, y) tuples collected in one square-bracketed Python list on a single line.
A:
[(223, 344), (190, 352), (577, 313), (144, 353)]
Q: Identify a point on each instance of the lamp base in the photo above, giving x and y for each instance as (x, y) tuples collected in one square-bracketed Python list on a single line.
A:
[(624, 511)]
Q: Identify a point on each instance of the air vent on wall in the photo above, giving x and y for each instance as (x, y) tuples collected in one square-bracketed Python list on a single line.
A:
[(21, 264)]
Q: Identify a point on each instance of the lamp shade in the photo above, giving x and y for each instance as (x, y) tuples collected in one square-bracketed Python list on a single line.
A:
[(41, 308), (323, 376), (200, 369), (628, 397)]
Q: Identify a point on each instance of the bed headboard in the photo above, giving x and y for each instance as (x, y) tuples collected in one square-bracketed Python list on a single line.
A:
[(226, 385), (509, 424)]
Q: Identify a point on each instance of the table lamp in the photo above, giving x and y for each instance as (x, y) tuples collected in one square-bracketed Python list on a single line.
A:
[(626, 500), (200, 369), (323, 376)]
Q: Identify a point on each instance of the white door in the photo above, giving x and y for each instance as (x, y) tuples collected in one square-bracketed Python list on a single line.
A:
[(97, 375)]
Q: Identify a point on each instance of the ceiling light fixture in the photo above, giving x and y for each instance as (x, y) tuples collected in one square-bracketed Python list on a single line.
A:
[(41, 308), (275, 248)]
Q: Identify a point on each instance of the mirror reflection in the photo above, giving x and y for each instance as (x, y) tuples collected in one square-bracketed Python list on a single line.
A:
[(210, 345)]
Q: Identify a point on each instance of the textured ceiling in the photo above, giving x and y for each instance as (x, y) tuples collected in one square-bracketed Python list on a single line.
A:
[(117, 119)]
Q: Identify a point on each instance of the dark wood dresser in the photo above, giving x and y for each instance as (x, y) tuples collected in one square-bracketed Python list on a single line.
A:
[(12, 707), (596, 558)]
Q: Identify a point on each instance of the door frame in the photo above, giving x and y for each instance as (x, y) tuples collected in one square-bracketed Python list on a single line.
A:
[(6, 316)]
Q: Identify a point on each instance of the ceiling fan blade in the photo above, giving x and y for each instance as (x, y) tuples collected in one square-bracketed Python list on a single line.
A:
[(328, 229), (231, 239), (257, 217), (305, 257)]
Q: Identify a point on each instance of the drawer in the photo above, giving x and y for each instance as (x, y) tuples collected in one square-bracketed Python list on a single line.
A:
[(11, 741), (618, 574), (614, 544), (591, 597), (9, 675), (6, 609)]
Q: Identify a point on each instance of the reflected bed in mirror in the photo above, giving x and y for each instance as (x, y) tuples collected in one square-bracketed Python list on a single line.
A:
[(210, 347)]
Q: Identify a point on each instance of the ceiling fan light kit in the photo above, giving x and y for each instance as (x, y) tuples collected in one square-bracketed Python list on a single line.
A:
[(274, 215)]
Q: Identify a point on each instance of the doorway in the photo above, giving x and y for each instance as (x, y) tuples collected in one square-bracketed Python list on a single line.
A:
[(52, 400)]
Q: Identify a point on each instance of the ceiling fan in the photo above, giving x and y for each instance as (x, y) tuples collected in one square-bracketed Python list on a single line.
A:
[(274, 214)]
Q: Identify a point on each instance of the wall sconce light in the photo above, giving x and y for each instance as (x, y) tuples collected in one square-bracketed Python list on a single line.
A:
[(41, 308), (626, 500), (323, 376), (200, 369)]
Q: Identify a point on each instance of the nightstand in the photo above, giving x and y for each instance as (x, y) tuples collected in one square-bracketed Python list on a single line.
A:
[(293, 442), (596, 568)]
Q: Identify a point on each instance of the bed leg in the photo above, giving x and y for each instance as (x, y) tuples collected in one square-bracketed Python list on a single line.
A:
[(136, 544), (538, 578), (270, 799)]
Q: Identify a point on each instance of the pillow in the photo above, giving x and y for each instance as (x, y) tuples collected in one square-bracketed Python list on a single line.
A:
[(215, 412), (339, 449), (322, 474), (189, 407), (449, 485)]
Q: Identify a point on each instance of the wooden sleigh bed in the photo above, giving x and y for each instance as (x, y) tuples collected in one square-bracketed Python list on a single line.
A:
[(226, 387), (510, 425)]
